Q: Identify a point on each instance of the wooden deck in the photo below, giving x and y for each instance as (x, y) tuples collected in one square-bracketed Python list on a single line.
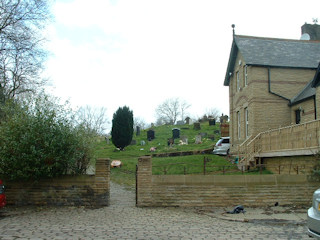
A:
[(294, 140)]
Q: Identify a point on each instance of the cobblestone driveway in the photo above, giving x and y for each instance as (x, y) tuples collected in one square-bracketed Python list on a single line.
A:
[(122, 220)]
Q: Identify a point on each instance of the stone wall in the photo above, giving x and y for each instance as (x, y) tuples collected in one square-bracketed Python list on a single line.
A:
[(220, 190), (84, 190), (266, 110), (290, 165)]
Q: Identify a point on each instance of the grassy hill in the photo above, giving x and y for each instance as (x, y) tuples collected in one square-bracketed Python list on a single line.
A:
[(162, 134), (193, 164), (170, 165)]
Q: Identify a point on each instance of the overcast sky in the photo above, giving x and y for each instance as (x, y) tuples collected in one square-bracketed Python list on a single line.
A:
[(138, 53)]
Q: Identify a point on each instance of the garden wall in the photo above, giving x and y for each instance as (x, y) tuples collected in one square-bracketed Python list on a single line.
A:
[(220, 190), (84, 190)]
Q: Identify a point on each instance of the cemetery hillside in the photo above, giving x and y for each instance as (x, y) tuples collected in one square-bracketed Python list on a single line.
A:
[(175, 149)]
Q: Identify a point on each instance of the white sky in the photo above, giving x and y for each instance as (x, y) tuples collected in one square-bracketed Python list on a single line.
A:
[(138, 53)]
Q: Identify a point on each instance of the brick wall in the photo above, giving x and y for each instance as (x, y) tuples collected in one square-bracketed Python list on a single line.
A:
[(219, 190), (84, 190)]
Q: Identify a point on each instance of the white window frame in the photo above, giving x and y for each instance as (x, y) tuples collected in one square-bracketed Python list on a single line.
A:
[(245, 75), (246, 115), (238, 80), (239, 125)]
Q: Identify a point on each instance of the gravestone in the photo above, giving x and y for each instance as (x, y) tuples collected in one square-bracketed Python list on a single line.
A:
[(180, 122), (211, 136), (196, 126), (175, 133), (216, 131), (187, 120), (138, 131), (203, 135), (107, 139), (198, 139), (212, 122), (133, 142), (224, 118), (184, 139), (150, 135), (170, 141), (142, 143)]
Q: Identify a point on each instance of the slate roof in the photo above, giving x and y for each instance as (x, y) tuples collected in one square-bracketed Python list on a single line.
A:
[(306, 93), (273, 52)]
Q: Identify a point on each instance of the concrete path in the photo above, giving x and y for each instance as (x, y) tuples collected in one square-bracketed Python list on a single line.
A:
[(122, 220)]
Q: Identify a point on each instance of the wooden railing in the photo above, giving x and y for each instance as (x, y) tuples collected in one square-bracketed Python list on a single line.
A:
[(303, 137)]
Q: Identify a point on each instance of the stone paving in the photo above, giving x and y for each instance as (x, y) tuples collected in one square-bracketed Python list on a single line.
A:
[(122, 220)]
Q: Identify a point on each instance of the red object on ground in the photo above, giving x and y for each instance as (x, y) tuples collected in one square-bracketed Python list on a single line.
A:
[(3, 201)]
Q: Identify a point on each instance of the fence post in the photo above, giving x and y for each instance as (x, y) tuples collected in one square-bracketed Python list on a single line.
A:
[(260, 165)]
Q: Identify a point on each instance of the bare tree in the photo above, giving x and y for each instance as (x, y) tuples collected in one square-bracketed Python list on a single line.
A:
[(137, 121), (169, 111), (93, 118), (213, 113), (21, 52), (183, 108)]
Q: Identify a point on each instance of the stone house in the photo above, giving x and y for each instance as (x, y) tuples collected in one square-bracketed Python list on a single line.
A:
[(272, 83)]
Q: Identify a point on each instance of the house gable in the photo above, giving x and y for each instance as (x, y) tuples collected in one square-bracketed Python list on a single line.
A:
[(272, 52)]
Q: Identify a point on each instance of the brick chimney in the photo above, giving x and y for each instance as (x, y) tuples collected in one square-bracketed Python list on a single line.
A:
[(313, 30)]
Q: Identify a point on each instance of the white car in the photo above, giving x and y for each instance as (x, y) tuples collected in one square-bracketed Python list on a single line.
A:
[(314, 216), (222, 147)]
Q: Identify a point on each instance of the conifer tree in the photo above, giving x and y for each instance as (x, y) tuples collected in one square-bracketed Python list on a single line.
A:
[(122, 127)]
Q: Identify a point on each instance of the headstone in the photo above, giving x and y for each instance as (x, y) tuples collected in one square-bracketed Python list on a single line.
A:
[(150, 135), (133, 142), (180, 122), (203, 135), (196, 126), (211, 136), (212, 122), (198, 139), (170, 141), (107, 140), (175, 133), (184, 139), (187, 120), (224, 118), (142, 143), (221, 118), (138, 131), (216, 131)]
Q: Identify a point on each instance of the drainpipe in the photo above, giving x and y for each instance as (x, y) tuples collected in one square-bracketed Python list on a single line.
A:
[(269, 86), (315, 107)]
